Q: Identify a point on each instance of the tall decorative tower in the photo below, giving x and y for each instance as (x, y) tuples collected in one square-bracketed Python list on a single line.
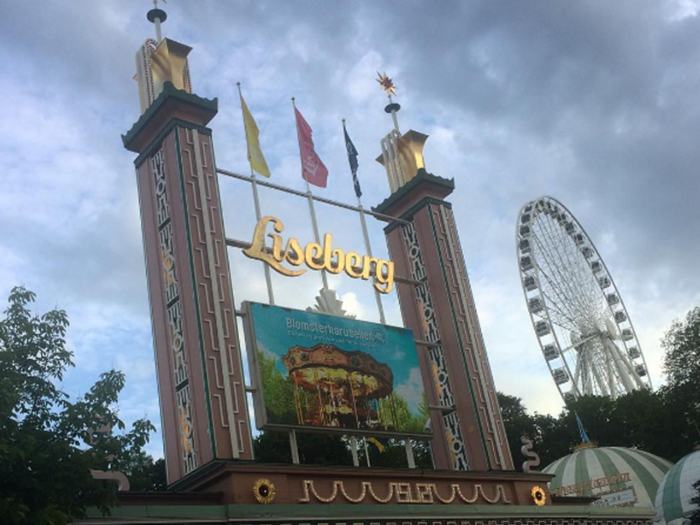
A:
[(200, 376), (439, 307)]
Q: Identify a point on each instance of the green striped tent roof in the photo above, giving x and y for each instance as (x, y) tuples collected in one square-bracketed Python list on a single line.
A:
[(676, 490), (617, 475)]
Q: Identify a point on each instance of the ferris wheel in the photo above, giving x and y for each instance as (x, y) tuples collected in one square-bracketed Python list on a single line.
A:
[(583, 328)]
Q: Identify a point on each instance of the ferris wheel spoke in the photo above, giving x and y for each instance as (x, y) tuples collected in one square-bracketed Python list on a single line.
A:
[(560, 318), (585, 280), (587, 376), (577, 266), (599, 380), (577, 373), (560, 283), (556, 307), (563, 300), (568, 295), (579, 343), (563, 262)]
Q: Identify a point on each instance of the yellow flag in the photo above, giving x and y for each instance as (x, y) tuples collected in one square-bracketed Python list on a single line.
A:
[(252, 134)]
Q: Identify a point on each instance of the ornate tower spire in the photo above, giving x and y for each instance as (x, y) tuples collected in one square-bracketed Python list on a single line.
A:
[(159, 61), (402, 156)]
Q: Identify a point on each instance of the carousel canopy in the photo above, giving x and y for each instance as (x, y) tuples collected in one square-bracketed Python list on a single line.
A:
[(617, 475), (328, 366)]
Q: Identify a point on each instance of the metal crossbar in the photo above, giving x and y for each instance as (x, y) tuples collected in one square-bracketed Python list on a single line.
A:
[(376, 215)]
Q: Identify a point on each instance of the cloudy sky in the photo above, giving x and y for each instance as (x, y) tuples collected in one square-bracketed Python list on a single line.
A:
[(596, 103)]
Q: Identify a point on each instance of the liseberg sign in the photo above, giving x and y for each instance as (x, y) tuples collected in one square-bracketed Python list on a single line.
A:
[(321, 372), (317, 257)]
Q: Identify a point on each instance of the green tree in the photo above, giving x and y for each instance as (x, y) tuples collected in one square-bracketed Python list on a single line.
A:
[(695, 500), (550, 439), (682, 368), (278, 392), (682, 345), (45, 459), (314, 449)]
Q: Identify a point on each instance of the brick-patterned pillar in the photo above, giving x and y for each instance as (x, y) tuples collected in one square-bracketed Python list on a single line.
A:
[(469, 433), (200, 376)]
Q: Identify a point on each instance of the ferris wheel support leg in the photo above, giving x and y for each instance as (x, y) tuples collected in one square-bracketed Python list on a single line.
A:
[(599, 380), (623, 368), (577, 370), (630, 368), (609, 371)]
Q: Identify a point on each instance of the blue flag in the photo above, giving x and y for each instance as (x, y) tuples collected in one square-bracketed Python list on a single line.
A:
[(352, 158)]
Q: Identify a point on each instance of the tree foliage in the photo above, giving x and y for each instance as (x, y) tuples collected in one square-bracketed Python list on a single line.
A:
[(48, 443), (682, 345), (695, 516), (650, 421), (314, 449), (682, 367)]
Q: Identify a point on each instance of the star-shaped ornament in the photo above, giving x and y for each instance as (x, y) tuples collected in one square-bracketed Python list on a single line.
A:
[(386, 83)]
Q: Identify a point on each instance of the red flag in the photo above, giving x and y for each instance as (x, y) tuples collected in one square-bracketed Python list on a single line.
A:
[(312, 168)]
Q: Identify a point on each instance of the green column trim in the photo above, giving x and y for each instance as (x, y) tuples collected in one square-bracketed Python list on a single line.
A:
[(210, 417)]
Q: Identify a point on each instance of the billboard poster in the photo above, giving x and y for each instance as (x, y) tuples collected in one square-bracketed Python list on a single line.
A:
[(326, 373)]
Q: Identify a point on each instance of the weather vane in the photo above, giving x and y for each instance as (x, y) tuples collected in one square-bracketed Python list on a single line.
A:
[(386, 84)]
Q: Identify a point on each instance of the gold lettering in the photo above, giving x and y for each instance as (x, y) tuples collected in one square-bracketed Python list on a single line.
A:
[(381, 279), (296, 257), (353, 269), (258, 251), (329, 254), (367, 262), (339, 256), (276, 247), (316, 256)]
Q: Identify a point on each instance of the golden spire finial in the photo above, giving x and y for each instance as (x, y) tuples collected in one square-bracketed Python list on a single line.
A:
[(386, 84)]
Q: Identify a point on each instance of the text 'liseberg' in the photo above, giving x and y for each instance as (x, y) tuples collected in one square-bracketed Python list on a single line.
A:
[(317, 257)]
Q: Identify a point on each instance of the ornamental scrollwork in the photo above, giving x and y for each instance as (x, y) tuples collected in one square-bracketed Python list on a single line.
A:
[(401, 492)]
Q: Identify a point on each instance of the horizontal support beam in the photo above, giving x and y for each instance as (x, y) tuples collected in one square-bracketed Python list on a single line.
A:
[(406, 280), (379, 216), (442, 408), (235, 243)]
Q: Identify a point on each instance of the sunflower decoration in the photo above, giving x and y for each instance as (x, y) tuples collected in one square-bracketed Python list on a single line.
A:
[(264, 491), (538, 495)]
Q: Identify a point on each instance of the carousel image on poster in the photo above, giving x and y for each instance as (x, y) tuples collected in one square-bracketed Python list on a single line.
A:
[(319, 372)]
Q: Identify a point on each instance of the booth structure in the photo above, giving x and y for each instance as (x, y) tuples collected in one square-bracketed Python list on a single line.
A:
[(340, 382)]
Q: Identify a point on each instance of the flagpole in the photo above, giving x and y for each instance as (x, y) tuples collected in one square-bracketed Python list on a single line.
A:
[(312, 211), (256, 200), (368, 247)]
